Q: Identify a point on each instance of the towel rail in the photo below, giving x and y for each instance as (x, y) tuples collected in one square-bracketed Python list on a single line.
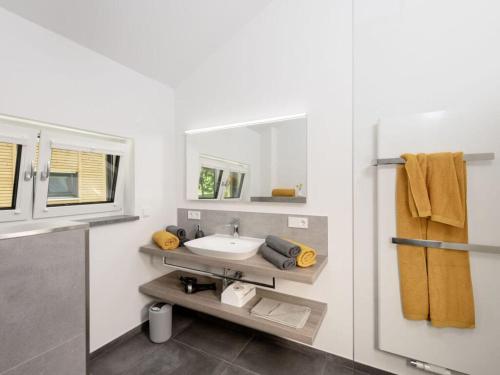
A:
[(226, 279), (467, 157), (446, 245)]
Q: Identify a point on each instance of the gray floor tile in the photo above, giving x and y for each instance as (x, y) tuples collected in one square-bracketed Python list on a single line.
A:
[(181, 321), (173, 358), (269, 357), (234, 370), (224, 323), (276, 340), (139, 356), (368, 370), (334, 368), (123, 358), (215, 339), (339, 361), (207, 346)]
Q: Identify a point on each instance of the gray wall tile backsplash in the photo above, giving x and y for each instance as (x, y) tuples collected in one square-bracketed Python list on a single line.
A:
[(43, 310), (258, 224)]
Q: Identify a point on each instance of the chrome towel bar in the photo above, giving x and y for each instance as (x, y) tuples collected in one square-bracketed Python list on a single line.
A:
[(225, 276), (446, 245), (467, 157)]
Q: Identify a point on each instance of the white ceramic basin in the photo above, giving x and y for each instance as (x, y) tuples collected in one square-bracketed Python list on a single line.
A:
[(224, 246)]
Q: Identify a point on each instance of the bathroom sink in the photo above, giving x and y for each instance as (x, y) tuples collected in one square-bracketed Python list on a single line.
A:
[(225, 247)]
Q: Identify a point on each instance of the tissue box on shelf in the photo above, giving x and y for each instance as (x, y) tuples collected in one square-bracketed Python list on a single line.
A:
[(238, 294)]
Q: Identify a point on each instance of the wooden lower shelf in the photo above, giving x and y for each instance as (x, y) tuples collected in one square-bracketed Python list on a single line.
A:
[(256, 265), (169, 289)]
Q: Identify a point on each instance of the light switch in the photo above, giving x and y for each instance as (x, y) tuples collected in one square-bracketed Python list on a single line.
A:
[(298, 222), (194, 215)]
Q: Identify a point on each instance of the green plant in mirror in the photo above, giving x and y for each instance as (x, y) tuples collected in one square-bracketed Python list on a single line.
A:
[(208, 186)]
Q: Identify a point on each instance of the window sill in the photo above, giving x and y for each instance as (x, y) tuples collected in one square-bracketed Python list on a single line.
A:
[(108, 220)]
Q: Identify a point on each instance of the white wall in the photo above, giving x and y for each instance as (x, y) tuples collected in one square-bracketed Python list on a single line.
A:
[(46, 77), (294, 57), (410, 57)]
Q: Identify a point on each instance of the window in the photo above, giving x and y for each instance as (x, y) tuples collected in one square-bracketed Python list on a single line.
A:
[(78, 175), (81, 178), (216, 173), (10, 162), (16, 152), (49, 171)]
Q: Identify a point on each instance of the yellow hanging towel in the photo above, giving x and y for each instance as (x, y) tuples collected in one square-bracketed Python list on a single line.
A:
[(166, 240), (431, 204)]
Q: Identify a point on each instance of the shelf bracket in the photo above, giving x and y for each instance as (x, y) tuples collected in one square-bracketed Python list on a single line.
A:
[(226, 278)]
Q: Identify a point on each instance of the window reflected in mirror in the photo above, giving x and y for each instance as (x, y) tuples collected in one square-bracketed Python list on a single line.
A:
[(221, 178), (210, 179)]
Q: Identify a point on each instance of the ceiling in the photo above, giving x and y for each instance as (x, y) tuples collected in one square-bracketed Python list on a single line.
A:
[(163, 39)]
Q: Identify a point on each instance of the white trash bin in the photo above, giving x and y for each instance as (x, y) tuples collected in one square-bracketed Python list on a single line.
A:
[(160, 322)]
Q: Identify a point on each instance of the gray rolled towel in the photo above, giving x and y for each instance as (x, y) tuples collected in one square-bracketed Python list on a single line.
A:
[(279, 260), (177, 231), (282, 246)]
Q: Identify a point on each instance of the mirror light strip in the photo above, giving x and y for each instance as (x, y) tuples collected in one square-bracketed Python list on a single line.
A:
[(248, 123)]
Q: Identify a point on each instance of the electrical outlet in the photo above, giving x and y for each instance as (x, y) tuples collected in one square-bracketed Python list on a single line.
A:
[(194, 215), (298, 222)]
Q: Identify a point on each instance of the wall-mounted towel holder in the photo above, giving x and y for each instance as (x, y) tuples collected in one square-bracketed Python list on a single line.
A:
[(467, 157), (446, 245), (440, 244)]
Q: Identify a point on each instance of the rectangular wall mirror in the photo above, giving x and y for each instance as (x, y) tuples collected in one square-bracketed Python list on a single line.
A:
[(262, 161)]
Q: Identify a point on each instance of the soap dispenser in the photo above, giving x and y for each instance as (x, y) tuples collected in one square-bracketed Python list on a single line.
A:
[(199, 233)]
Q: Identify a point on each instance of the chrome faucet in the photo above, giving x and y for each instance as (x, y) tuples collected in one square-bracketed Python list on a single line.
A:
[(235, 224)]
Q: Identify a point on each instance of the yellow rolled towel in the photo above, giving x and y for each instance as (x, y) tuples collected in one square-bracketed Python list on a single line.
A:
[(166, 240), (307, 255), (281, 192)]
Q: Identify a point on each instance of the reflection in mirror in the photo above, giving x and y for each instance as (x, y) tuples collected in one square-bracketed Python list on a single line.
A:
[(261, 161)]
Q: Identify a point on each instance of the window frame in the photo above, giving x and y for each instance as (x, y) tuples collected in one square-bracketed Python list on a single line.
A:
[(81, 143), (227, 173), (26, 138)]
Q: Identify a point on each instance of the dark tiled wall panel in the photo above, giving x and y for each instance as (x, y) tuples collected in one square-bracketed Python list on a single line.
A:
[(43, 309)]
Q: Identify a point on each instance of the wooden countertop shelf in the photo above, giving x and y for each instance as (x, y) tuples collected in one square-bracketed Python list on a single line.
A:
[(256, 265), (169, 289)]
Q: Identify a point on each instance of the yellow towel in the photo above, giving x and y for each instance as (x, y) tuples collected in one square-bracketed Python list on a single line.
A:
[(282, 192), (411, 259), (166, 240), (307, 255), (431, 204)]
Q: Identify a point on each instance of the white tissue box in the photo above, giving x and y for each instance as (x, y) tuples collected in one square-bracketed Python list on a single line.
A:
[(238, 294)]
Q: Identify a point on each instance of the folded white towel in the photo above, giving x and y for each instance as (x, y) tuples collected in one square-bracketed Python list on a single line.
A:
[(288, 314)]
